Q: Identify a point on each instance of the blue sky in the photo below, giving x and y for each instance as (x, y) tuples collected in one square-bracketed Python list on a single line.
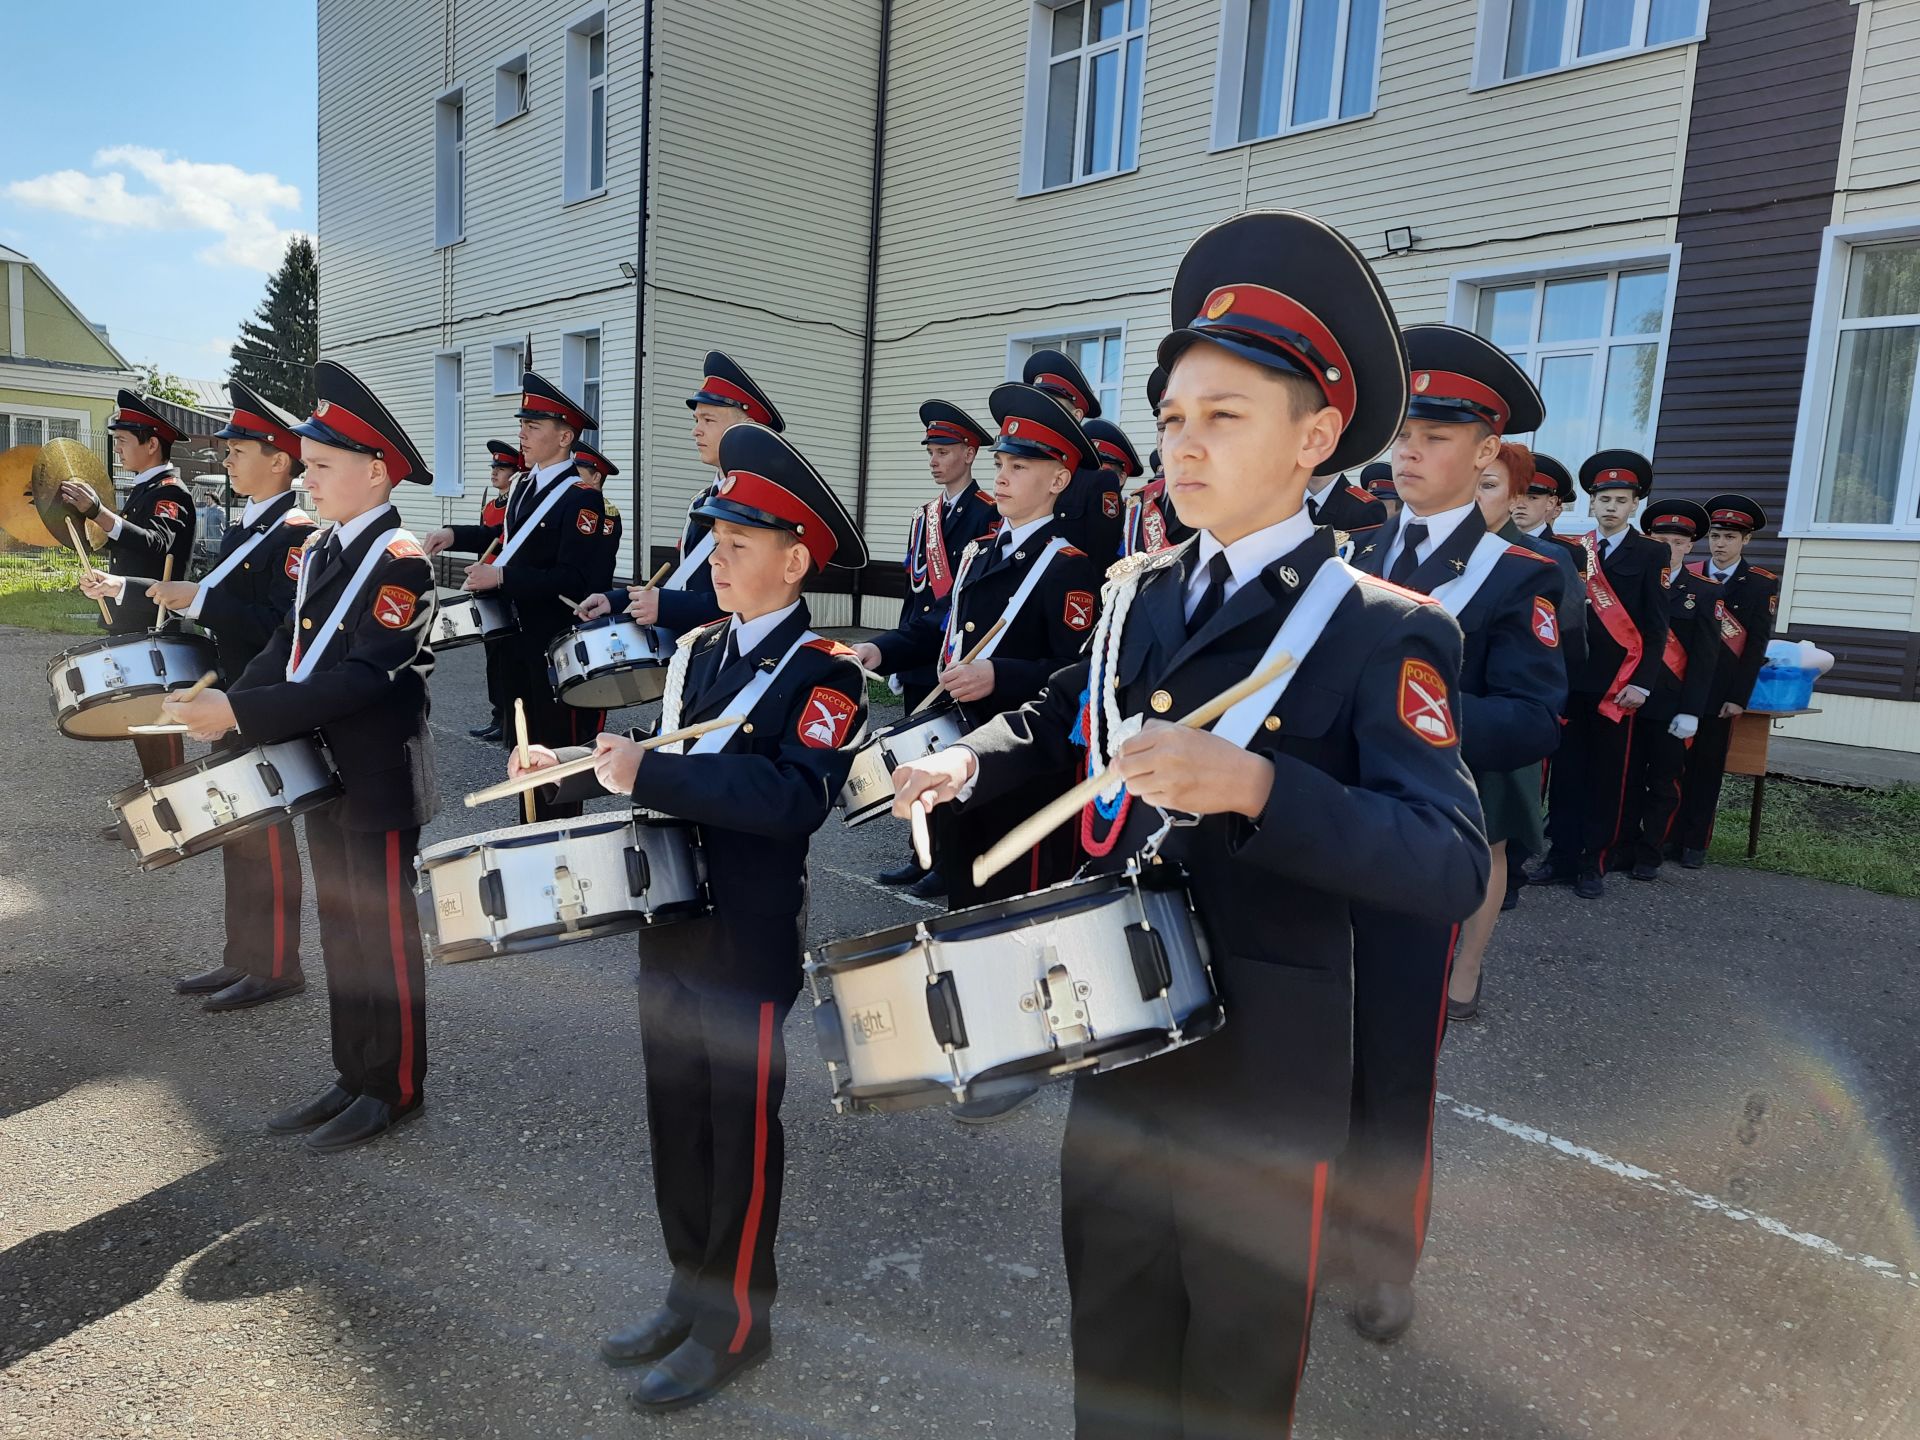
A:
[(159, 199)]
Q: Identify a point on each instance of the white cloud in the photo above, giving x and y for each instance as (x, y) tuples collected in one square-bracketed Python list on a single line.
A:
[(232, 203)]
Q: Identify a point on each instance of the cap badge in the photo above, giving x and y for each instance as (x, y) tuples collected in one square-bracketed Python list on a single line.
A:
[(1422, 381), (322, 408), (724, 484), (1013, 427), (1220, 305)]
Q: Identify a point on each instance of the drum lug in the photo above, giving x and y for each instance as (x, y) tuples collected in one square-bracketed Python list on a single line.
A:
[(270, 777), (73, 681), (569, 897), (639, 872), (943, 1012), (1150, 965), (493, 895), (1063, 1004), (164, 817)]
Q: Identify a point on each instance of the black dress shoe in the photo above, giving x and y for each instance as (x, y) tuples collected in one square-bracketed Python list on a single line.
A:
[(317, 1111), (251, 990), (1469, 1008), (690, 1374), (487, 732), (1693, 859), (903, 875), (930, 886), (1511, 900), (1646, 870), (1549, 875), (207, 982), (365, 1119), (1589, 886), (1384, 1312), (653, 1338)]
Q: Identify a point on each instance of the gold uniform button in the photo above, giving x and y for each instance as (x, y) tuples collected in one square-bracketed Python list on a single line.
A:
[(1273, 722), (306, 624), (969, 627), (1161, 702), (747, 728)]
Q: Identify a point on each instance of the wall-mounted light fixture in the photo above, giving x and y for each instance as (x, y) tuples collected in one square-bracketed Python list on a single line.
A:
[(626, 269), (1400, 240)]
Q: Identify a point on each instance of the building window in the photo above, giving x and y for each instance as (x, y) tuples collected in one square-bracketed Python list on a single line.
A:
[(1533, 36), (586, 107), (510, 88), (509, 366), (580, 374), (1289, 65), (1594, 344), (1098, 353), (449, 423), (18, 429), (1868, 462), (1085, 61), (449, 169)]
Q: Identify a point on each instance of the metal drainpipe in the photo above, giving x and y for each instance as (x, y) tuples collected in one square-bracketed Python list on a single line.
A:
[(873, 285), (641, 568)]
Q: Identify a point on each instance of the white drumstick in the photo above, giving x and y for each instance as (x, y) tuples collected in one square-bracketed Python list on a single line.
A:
[(534, 779), (922, 841)]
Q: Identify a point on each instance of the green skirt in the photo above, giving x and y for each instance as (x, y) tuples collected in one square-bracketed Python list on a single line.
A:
[(1511, 802)]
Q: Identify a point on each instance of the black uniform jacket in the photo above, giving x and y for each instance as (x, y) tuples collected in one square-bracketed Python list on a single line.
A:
[(757, 801), (970, 517), (1690, 606), (1513, 672), (1347, 507), (613, 530), (1753, 597), (564, 555), (478, 539), (1573, 596), (1635, 569), (1090, 513), (1047, 632), (253, 599), (156, 521), (367, 696), (1368, 807)]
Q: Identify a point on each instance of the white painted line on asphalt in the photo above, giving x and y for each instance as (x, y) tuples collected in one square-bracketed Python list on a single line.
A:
[(1653, 1180), (889, 891)]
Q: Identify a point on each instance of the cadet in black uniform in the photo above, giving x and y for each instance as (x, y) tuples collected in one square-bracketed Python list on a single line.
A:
[(1626, 625), (351, 661), (595, 469), (1376, 480), (503, 473), (1089, 508), (1749, 602), (1466, 394), (155, 522), (1670, 720), (1344, 507), (714, 992), (1194, 1185), (243, 601), (1150, 522)]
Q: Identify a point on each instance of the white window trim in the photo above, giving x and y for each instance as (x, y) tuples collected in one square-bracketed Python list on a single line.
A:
[(1229, 78), (1020, 342), (575, 385), (453, 93), (36, 411), (494, 347), (1816, 394), (577, 120), (1033, 119), (449, 480), (1490, 46), (523, 57)]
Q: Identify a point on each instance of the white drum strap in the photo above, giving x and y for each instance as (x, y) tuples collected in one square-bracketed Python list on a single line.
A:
[(741, 702), (253, 542), (950, 651), (554, 491), (300, 664), (689, 564), (1457, 593), (1301, 631)]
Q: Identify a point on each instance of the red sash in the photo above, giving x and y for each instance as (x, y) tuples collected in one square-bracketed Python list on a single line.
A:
[(1733, 634), (1605, 602), (939, 577), (1146, 523)]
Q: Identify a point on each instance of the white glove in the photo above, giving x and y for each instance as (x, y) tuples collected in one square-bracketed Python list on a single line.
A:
[(1684, 727)]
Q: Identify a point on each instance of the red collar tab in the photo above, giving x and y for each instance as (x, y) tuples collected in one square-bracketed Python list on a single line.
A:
[(342, 421), (1018, 427), (757, 492), (727, 390), (1276, 320), (1447, 385), (1066, 387)]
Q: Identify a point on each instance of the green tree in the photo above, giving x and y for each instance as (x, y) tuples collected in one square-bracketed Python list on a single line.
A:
[(163, 385), (277, 348)]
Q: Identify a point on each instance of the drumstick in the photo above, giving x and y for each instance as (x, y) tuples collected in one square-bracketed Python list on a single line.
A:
[(534, 779), (166, 574), (922, 841), (174, 727), (570, 604), (966, 659), (1031, 831), (520, 742), (658, 576), (80, 549)]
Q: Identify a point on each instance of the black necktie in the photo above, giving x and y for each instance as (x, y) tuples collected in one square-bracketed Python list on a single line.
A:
[(1408, 560), (1313, 509), (329, 556), (1219, 571)]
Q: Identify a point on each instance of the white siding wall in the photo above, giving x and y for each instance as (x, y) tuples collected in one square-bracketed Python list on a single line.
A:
[(1883, 127)]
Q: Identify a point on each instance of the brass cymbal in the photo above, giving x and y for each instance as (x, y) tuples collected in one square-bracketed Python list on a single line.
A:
[(59, 462), (18, 517)]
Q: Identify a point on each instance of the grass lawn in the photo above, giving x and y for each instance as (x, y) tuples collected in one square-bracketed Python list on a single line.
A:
[(1869, 838), (39, 590)]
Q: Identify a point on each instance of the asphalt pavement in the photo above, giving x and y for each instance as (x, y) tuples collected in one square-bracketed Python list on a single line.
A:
[(1672, 1195)]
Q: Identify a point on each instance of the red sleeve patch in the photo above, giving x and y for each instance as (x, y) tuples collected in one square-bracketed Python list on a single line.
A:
[(1546, 623), (166, 510), (586, 522), (294, 557), (1110, 503), (406, 548), (1773, 603), (1079, 609), (393, 606), (827, 718), (606, 527), (1424, 708)]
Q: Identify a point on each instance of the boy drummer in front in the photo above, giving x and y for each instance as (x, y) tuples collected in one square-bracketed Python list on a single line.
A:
[(1193, 1185), (715, 992)]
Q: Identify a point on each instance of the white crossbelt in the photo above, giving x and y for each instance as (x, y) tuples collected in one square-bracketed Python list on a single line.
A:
[(1020, 597), (740, 703), (521, 532), (1302, 630), (227, 566), (311, 655), (1455, 595)]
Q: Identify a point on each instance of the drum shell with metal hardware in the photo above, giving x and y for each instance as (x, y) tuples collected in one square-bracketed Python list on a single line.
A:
[(868, 792), (533, 887), (102, 688), (203, 804), (469, 619), (609, 663), (1081, 977)]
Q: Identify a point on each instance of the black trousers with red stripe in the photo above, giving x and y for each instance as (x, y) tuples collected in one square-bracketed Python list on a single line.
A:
[(263, 903), (1657, 767), (159, 753), (1383, 1181), (1192, 1264), (370, 940), (1700, 787), (1589, 786), (716, 1073)]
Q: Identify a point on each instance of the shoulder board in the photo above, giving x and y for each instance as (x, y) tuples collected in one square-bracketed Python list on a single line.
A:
[(613, 510), (312, 540), (1144, 560), (174, 480), (405, 547), (296, 516), (829, 647), (584, 485), (1525, 553), (700, 631), (1377, 583), (1071, 553), (1357, 493), (1767, 573)]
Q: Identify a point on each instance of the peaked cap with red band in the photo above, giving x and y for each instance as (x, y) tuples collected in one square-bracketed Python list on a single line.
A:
[(1550, 477), (948, 424), (767, 484), (1054, 372), (349, 416), (1111, 443), (726, 383), (1293, 294), (541, 399), (256, 418), (1156, 388), (138, 414), (1377, 481), (1674, 517), (1735, 512), (1456, 375), (1618, 470), (594, 458), (1038, 426), (507, 457)]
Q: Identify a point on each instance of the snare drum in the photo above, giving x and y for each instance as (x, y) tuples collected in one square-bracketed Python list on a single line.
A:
[(104, 686), (202, 805), (869, 788), (609, 663), (469, 619), (1081, 977), (531, 887)]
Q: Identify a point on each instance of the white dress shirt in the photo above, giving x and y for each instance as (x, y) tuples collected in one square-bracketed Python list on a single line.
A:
[(1249, 555), (746, 634), (1439, 527)]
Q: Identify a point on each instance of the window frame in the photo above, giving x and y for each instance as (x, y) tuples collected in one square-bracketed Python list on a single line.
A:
[(1022, 343), (449, 477), (1033, 121), (1230, 66), (1837, 246), (44, 414), (496, 349), (1496, 23), (577, 89), (1463, 300), (573, 373), (512, 80), (449, 147)]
